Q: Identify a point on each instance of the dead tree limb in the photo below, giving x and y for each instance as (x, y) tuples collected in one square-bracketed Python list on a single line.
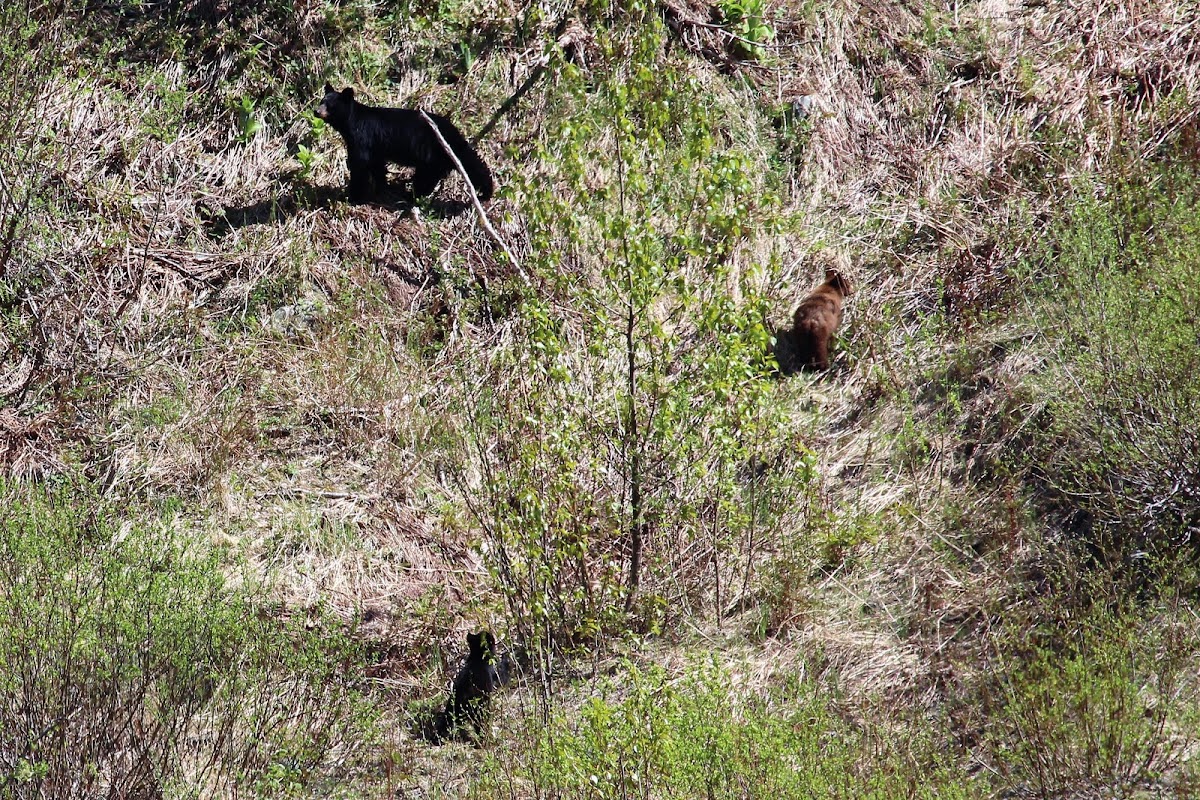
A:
[(483, 218)]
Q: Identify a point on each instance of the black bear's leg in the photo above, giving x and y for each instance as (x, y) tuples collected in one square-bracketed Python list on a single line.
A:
[(362, 180), (425, 179), (379, 181)]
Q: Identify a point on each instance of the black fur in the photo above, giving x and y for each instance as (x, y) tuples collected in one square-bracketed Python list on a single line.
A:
[(375, 136), (480, 675)]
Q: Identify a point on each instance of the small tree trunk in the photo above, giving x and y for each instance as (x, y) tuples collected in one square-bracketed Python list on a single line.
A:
[(634, 445)]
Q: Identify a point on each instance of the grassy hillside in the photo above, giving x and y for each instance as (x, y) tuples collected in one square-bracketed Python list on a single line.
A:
[(268, 455)]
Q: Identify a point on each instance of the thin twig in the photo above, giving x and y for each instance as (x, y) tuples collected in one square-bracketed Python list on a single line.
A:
[(537, 72), (487, 225), (732, 35), (298, 492)]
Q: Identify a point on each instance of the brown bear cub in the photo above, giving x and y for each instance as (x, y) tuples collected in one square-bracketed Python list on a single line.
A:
[(814, 324), (481, 674)]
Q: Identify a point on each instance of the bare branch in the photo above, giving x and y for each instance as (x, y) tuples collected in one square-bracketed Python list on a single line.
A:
[(487, 225)]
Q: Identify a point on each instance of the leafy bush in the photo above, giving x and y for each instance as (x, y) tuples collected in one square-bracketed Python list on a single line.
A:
[(1109, 702), (693, 737), (130, 665), (612, 443), (746, 19), (1123, 393)]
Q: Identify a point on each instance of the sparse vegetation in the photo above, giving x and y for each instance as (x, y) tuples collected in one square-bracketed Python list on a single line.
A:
[(1117, 452), (693, 737), (269, 455), (133, 666), (1113, 704)]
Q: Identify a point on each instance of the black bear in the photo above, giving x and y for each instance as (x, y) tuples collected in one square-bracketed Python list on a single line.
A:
[(813, 325), (480, 675), (375, 136)]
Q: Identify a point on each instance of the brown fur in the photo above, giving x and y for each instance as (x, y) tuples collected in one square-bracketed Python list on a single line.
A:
[(808, 343)]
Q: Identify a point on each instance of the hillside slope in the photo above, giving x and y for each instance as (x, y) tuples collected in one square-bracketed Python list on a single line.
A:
[(270, 455)]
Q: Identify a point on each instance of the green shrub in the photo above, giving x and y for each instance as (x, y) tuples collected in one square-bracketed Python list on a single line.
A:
[(612, 443), (1104, 702), (130, 666), (1122, 392), (30, 57), (694, 737), (746, 19)]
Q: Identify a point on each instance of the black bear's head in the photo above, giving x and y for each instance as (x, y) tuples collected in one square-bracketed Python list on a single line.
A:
[(335, 106), (482, 646)]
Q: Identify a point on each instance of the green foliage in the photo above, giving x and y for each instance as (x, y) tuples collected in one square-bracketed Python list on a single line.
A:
[(307, 159), (694, 737), (29, 60), (1111, 704), (1123, 392), (165, 119), (746, 19), (316, 125), (844, 533), (129, 664), (305, 154), (248, 124), (159, 412), (620, 422)]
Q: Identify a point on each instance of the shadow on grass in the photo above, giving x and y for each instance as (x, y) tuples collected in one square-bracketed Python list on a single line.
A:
[(296, 199)]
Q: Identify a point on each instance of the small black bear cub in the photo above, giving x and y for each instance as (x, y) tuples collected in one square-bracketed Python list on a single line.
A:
[(480, 675), (374, 136)]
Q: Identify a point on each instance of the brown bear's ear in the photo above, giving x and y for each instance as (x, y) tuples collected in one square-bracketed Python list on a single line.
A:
[(842, 283)]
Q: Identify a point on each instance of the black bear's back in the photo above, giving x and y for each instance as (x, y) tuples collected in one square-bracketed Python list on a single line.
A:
[(476, 680), (402, 136), (399, 135), (479, 673)]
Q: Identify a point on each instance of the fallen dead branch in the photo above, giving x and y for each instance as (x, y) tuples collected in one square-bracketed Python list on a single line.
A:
[(483, 218)]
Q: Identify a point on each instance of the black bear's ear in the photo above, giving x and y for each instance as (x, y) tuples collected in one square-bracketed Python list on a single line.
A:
[(348, 93), (473, 641), (328, 89)]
